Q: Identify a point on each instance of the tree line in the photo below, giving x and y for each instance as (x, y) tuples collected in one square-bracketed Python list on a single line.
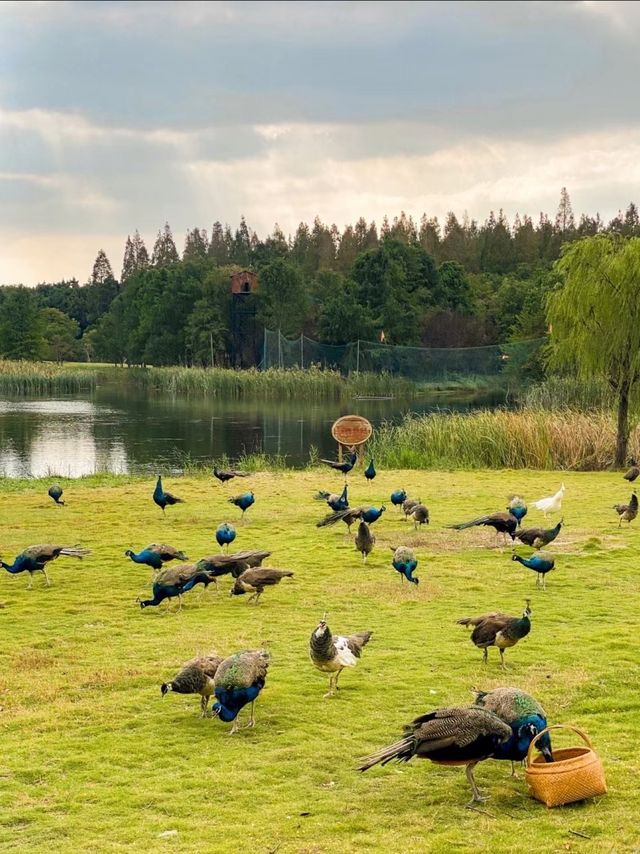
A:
[(460, 284)]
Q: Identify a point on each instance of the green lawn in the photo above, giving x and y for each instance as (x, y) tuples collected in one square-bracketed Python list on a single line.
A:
[(93, 758)]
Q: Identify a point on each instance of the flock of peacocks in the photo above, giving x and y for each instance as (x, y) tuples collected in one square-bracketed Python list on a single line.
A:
[(501, 724)]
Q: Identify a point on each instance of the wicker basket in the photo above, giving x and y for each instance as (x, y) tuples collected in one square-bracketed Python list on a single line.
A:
[(575, 774)]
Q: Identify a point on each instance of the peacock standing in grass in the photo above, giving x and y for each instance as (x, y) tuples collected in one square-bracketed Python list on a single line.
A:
[(634, 472), (156, 555), (225, 535), (499, 630), (35, 558), (538, 538), (243, 501), (255, 581), (627, 512), (365, 541), (517, 507), (408, 504), (332, 653), (336, 502), (420, 515), (224, 475), (195, 677), (541, 563), (349, 516), (405, 562), (343, 467), (164, 499), (525, 716), (370, 472), (176, 581), (232, 564), (238, 681), (398, 497), (504, 523), (55, 492)]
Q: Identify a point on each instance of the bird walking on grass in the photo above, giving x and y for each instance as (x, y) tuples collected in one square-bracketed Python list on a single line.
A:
[(517, 507), (243, 502), (633, 472), (627, 512), (175, 581), (164, 499), (225, 535), (541, 563), (398, 497), (336, 502), (55, 492), (349, 516), (224, 475), (538, 538), (504, 523), (405, 562), (552, 504), (499, 630), (238, 681), (232, 564), (365, 541), (343, 467), (156, 555), (255, 581), (35, 558), (408, 504), (195, 677), (420, 515), (370, 472), (332, 653)]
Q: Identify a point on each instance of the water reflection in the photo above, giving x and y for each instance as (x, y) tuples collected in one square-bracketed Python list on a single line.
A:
[(117, 430)]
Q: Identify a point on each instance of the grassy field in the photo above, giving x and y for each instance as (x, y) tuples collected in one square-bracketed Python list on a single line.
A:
[(94, 759)]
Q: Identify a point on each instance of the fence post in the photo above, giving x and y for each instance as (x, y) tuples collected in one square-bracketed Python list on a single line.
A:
[(279, 348), (211, 345), (358, 357), (301, 350), (264, 350)]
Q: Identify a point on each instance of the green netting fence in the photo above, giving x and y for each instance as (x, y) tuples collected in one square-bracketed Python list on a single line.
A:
[(421, 364)]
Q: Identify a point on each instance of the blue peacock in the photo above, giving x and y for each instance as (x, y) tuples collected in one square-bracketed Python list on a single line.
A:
[(225, 535), (243, 501), (541, 563), (175, 581), (405, 562), (156, 555), (164, 499), (35, 558), (238, 682)]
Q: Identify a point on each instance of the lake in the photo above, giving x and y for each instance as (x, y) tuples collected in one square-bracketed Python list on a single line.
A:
[(121, 430)]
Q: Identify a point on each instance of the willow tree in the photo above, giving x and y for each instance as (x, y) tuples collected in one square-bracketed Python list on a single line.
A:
[(594, 318)]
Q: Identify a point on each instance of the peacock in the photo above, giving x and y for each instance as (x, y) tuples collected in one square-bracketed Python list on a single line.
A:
[(156, 555), (420, 515), (499, 630), (228, 474), (525, 716), (627, 512), (255, 580), (349, 516), (164, 499), (243, 502), (176, 581), (239, 680), (398, 497), (55, 492), (633, 472), (343, 467), (517, 507), (408, 504), (195, 677), (552, 504), (332, 653), (365, 541), (234, 564), (335, 501), (405, 562), (504, 523), (370, 472), (34, 559), (541, 563), (225, 535), (537, 538)]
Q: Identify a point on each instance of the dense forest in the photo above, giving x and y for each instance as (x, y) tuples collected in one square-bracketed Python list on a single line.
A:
[(454, 285)]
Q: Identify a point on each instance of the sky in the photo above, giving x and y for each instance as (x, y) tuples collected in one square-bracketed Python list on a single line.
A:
[(117, 116)]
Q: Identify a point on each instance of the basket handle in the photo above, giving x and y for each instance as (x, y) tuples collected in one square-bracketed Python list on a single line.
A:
[(576, 729)]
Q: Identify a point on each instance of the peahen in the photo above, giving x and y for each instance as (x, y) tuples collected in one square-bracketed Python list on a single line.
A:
[(35, 558), (537, 538), (228, 474), (631, 475), (335, 501), (55, 492), (405, 562), (254, 581), (627, 512), (420, 515), (233, 564), (398, 497), (370, 472), (156, 555), (504, 523), (238, 681), (195, 677), (517, 507), (164, 499), (499, 630), (243, 501), (408, 504), (365, 541), (176, 581), (332, 653), (343, 467), (225, 535), (541, 563)]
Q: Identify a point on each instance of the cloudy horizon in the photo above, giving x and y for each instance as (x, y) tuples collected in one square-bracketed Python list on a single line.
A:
[(117, 116)]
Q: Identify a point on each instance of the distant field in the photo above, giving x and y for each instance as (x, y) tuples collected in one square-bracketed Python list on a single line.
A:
[(94, 759)]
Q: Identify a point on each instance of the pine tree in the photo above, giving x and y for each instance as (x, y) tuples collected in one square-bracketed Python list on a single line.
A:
[(241, 253), (565, 223), (631, 221), (429, 235), (195, 245), (21, 327), (140, 252), (129, 261), (102, 271), (164, 249), (218, 251)]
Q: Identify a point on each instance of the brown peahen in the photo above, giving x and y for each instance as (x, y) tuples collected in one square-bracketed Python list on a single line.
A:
[(499, 630), (234, 564), (332, 653), (408, 504), (633, 472), (627, 512), (195, 677), (365, 541), (420, 515), (256, 580)]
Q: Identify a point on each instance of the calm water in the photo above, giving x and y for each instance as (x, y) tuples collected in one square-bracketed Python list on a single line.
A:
[(113, 429)]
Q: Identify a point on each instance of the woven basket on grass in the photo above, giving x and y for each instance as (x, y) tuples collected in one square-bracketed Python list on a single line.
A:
[(575, 774)]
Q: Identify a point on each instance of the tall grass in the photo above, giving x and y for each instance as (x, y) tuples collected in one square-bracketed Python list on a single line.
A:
[(43, 377), (537, 439), (569, 392)]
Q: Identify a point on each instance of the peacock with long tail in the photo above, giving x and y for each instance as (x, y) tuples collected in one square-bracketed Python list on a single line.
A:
[(349, 516), (225, 535), (499, 630), (255, 581), (232, 564), (343, 467), (504, 523), (538, 538), (156, 555), (238, 681), (55, 492), (223, 475), (195, 677), (541, 563), (35, 558), (175, 581), (164, 499), (336, 502), (405, 562), (332, 653), (365, 541)]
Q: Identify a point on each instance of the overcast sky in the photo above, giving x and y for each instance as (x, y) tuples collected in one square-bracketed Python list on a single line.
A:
[(116, 116)]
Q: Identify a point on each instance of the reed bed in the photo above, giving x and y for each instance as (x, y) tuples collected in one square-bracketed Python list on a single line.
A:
[(536, 439), (44, 377), (569, 393)]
